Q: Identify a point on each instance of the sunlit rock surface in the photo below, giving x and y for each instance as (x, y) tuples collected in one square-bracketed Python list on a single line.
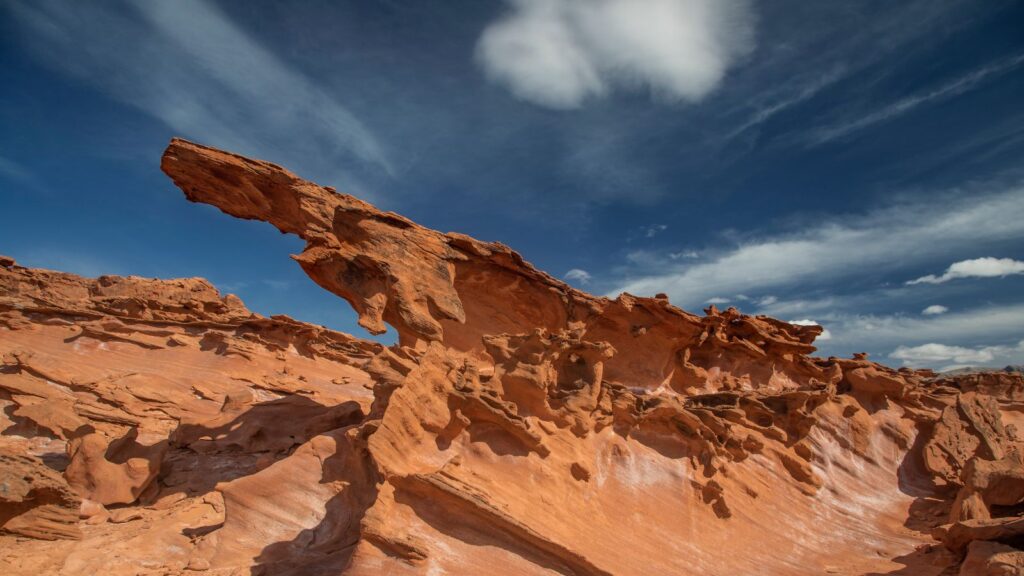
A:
[(520, 426)]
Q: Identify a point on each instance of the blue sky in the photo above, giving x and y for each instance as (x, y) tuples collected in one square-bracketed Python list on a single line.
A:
[(807, 160)]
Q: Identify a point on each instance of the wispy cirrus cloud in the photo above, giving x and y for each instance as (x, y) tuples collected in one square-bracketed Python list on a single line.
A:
[(188, 65), (959, 85), (766, 111), (559, 53), (15, 171)]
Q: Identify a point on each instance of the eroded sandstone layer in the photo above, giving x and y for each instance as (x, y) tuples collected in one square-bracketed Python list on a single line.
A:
[(520, 426)]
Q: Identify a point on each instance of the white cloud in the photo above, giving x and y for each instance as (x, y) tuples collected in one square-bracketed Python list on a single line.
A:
[(934, 310), (653, 230), (821, 255), (957, 86), (933, 353), (190, 66), (825, 334), (717, 300), (979, 327), (976, 268), (804, 322), (558, 53), (767, 301), (799, 306), (684, 254), (581, 276)]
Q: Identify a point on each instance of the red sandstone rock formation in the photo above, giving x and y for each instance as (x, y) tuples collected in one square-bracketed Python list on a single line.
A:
[(520, 426)]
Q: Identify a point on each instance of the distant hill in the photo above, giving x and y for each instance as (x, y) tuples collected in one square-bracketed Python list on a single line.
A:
[(976, 369)]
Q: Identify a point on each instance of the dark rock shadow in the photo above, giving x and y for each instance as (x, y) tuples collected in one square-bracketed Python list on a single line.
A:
[(930, 508), (932, 502), (932, 560), (668, 446), (202, 455), (326, 549), (455, 517), (497, 439)]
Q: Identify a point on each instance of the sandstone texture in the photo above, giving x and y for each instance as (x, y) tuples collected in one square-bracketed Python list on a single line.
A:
[(519, 426)]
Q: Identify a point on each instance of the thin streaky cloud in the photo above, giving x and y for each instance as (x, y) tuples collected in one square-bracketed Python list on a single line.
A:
[(188, 65), (958, 86), (808, 91), (14, 171)]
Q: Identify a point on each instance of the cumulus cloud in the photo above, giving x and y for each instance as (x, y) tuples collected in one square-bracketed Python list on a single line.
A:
[(578, 275), (717, 300), (934, 310), (825, 334), (821, 255), (976, 268), (932, 353), (558, 53)]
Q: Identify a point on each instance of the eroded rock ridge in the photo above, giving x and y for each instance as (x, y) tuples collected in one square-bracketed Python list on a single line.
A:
[(520, 426)]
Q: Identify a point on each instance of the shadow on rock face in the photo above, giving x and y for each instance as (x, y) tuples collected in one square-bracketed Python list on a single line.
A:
[(327, 547), (247, 437), (113, 471), (927, 559), (931, 505)]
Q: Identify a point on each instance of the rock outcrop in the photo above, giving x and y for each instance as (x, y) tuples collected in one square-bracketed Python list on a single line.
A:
[(520, 426)]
